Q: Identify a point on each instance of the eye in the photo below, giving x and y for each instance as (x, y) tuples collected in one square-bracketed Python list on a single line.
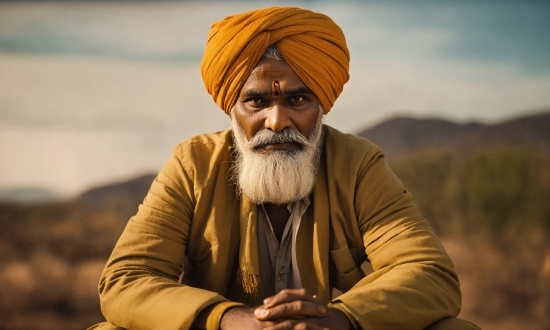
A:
[(296, 100), (256, 102)]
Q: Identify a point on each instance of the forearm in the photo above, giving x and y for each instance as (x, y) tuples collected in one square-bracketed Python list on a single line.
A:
[(139, 287), (140, 300), (413, 284), (405, 297)]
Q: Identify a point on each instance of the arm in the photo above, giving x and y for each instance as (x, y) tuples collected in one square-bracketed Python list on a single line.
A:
[(414, 283), (139, 287)]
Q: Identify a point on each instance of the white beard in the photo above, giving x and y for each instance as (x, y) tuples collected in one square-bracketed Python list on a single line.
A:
[(276, 176)]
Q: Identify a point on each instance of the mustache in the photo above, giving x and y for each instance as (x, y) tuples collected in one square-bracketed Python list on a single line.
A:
[(266, 137)]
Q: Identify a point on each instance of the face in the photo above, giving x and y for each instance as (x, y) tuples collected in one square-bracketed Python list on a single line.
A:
[(274, 98)]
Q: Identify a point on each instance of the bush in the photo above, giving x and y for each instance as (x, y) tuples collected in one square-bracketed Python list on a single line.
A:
[(498, 190)]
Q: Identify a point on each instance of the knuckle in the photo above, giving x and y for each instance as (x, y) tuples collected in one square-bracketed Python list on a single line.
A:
[(284, 308)]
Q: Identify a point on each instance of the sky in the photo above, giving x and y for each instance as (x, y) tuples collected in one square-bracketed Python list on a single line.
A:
[(92, 92)]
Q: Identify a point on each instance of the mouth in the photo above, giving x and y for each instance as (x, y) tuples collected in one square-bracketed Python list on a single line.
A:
[(288, 146)]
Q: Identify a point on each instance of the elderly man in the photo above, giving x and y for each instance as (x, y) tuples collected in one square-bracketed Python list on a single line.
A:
[(252, 227)]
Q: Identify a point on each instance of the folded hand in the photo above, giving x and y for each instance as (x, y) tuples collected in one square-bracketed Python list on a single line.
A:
[(296, 309)]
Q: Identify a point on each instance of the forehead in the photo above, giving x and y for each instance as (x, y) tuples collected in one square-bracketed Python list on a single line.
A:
[(268, 70)]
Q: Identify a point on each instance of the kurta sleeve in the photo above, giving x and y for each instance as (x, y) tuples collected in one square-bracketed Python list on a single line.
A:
[(414, 282), (139, 287)]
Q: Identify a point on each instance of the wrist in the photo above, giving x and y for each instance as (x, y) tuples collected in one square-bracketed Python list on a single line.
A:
[(237, 317), (210, 317), (343, 318)]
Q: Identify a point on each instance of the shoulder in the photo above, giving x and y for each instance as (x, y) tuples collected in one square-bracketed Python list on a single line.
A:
[(217, 138), (204, 153), (339, 146), (217, 142)]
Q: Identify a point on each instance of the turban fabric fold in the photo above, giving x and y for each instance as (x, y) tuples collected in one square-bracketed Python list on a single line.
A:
[(310, 43)]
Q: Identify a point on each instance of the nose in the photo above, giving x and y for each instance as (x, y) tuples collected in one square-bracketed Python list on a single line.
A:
[(278, 118)]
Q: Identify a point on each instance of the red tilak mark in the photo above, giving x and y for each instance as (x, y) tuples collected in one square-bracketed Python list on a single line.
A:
[(275, 88)]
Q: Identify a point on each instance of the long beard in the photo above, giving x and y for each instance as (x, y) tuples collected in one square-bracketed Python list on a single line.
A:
[(276, 176)]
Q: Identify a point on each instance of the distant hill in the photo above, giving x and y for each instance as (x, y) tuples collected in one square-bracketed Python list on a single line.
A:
[(121, 197), (407, 135), (28, 195)]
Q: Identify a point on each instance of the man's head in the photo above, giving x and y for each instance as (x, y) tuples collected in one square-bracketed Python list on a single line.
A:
[(277, 127), (275, 98), (276, 71)]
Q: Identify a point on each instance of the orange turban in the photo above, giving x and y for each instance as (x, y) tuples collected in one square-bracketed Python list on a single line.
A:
[(311, 43)]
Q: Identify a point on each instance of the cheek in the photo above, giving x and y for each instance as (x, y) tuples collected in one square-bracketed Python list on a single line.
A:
[(251, 123), (308, 121)]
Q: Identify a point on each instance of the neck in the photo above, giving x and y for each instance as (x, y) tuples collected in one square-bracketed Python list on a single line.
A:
[(278, 217)]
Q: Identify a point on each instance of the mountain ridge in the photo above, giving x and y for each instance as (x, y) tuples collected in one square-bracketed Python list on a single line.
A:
[(405, 134)]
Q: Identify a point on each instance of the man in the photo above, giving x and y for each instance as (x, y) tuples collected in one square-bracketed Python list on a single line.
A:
[(266, 218)]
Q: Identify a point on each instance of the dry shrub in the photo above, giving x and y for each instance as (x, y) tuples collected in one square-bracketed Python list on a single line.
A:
[(503, 286), (83, 236), (17, 284), (543, 309), (51, 274), (84, 287), (45, 292), (36, 284)]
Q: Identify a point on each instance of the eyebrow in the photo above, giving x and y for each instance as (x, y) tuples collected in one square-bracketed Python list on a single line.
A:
[(296, 91), (265, 93), (256, 93)]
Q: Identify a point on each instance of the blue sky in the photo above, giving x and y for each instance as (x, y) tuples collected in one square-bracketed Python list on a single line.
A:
[(482, 31)]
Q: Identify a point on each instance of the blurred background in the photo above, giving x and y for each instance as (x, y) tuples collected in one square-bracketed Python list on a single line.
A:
[(94, 96)]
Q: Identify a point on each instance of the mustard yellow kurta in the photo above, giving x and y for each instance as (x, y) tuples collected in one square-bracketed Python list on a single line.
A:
[(359, 210)]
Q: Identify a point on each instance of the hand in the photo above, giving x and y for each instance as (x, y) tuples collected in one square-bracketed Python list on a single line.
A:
[(296, 309)]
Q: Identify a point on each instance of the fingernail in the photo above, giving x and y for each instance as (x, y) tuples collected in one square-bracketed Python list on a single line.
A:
[(322, 309), (260, 312), (266, 301)]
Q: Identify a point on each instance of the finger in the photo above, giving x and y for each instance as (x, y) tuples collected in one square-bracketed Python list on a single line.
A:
[(294, 309), (288, 295), (294, 325)]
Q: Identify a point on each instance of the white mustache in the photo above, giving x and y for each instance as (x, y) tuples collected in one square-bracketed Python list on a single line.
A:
[(265, 137)]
